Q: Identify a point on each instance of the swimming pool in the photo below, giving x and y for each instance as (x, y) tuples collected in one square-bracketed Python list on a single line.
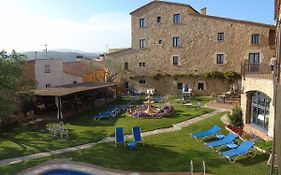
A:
[(64, 172)]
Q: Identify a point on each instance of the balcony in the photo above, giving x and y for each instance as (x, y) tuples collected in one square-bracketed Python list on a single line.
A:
[(256, 70)]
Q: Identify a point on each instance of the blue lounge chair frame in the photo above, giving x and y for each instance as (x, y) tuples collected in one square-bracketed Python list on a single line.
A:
[(137, 135), (119, 136), (207, 133), (245, 148), (220, 143)]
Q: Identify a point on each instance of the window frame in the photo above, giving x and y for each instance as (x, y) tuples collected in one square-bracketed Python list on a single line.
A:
[(220, 36), (176, 41), (142, 82), (177, 58), (177, 18), (179, 85), (220, 59), (142, 23), (126, 65), (142, 43), (255, 38), (198, 86), (158, 19), (47, 68)]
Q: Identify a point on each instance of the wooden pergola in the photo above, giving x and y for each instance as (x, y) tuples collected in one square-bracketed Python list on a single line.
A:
[(69, 97)]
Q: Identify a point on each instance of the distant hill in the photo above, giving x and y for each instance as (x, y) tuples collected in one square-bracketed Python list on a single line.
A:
[(66, 56)]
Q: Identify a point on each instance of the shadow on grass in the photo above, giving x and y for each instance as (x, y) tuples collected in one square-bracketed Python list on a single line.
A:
[(32, 143)]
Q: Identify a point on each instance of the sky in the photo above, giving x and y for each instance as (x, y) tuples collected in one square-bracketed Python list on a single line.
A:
[(95, 25)]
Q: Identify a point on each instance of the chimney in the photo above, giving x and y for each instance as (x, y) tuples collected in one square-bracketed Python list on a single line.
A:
[(204, 11)]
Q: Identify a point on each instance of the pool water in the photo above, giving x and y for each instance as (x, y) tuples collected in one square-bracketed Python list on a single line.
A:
[(64, 172)]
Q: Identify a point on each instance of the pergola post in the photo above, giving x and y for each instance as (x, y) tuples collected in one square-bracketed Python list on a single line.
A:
[(59, 106)]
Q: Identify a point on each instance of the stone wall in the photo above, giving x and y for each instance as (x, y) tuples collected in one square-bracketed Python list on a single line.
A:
[(167, 85), (198, 43)]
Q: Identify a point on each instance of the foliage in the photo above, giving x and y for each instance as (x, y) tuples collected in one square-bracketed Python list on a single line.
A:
[(11, 66), (214, 74), (265, 145), (236, 117), (113, 69), (231, 77)]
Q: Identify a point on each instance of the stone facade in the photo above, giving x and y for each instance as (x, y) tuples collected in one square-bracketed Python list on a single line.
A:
[(198, 44)]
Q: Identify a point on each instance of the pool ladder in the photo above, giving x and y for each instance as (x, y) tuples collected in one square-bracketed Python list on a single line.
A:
[(203, 170)]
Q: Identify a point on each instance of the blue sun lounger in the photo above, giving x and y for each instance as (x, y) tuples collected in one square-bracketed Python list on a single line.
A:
[(119, 136), (137, 134), (244, 148), (203, 134), (226, 140)]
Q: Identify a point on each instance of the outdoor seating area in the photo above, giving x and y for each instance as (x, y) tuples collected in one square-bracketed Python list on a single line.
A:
[(112, 112), (232, 151), (120, 138), (174, 146), (58, 130)]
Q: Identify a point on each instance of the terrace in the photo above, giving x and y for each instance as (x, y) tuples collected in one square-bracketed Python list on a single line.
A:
[(256, 70)]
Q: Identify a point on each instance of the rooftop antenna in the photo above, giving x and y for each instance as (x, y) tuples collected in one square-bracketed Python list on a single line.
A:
[(46, 49)]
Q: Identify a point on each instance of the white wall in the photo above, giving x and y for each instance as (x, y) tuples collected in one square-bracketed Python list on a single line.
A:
[(56, 77)]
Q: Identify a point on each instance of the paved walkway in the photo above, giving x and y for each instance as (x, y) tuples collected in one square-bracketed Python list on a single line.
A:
[(175, 127)]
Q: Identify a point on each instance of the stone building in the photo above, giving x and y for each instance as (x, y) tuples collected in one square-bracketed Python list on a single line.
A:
[(174, 43)]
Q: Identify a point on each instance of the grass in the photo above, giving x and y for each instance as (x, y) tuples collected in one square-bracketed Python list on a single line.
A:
[(83, 129), (162, 153)]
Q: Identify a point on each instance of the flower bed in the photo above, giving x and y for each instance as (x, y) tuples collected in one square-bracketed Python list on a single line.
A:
[(236, 130), (140, 111)]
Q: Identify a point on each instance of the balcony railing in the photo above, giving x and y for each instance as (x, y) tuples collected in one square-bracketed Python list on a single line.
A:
[(259, 70)]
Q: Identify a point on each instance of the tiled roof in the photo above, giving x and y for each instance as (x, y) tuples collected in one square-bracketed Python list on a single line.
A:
[(74, 68), (236, 20), (165, 2)]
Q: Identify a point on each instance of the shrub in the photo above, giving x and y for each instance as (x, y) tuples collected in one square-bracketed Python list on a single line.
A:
[(265, 145), (236, 117)]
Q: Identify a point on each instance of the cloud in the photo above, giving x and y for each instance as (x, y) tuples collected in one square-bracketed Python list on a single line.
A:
[(22, 31)]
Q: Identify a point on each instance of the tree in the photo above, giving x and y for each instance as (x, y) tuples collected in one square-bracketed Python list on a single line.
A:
[(113, 69), (231, 78), (11, 66)]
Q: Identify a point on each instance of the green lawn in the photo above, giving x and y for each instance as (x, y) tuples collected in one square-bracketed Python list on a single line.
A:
[(18, 142), (164, 152)]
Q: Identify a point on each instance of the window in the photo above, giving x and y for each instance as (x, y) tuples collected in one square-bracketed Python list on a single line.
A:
[(126, 66), (179, 86), (177, 18), (74, 82), (48, 85), (176, 41), (142, 43), (142, 22), (126, 85), (158, 19), (47, 68), (260, 104), (255, 39), (176, 60), (141, 64), (221, 36), (220, 59), (142, 81), (253, 60), (160, 42), (200, 86)]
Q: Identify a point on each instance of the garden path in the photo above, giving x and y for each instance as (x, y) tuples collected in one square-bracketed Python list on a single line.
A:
[(175, 127)]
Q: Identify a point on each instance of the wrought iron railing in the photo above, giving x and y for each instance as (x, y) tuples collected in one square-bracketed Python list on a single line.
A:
[(256, 69)]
